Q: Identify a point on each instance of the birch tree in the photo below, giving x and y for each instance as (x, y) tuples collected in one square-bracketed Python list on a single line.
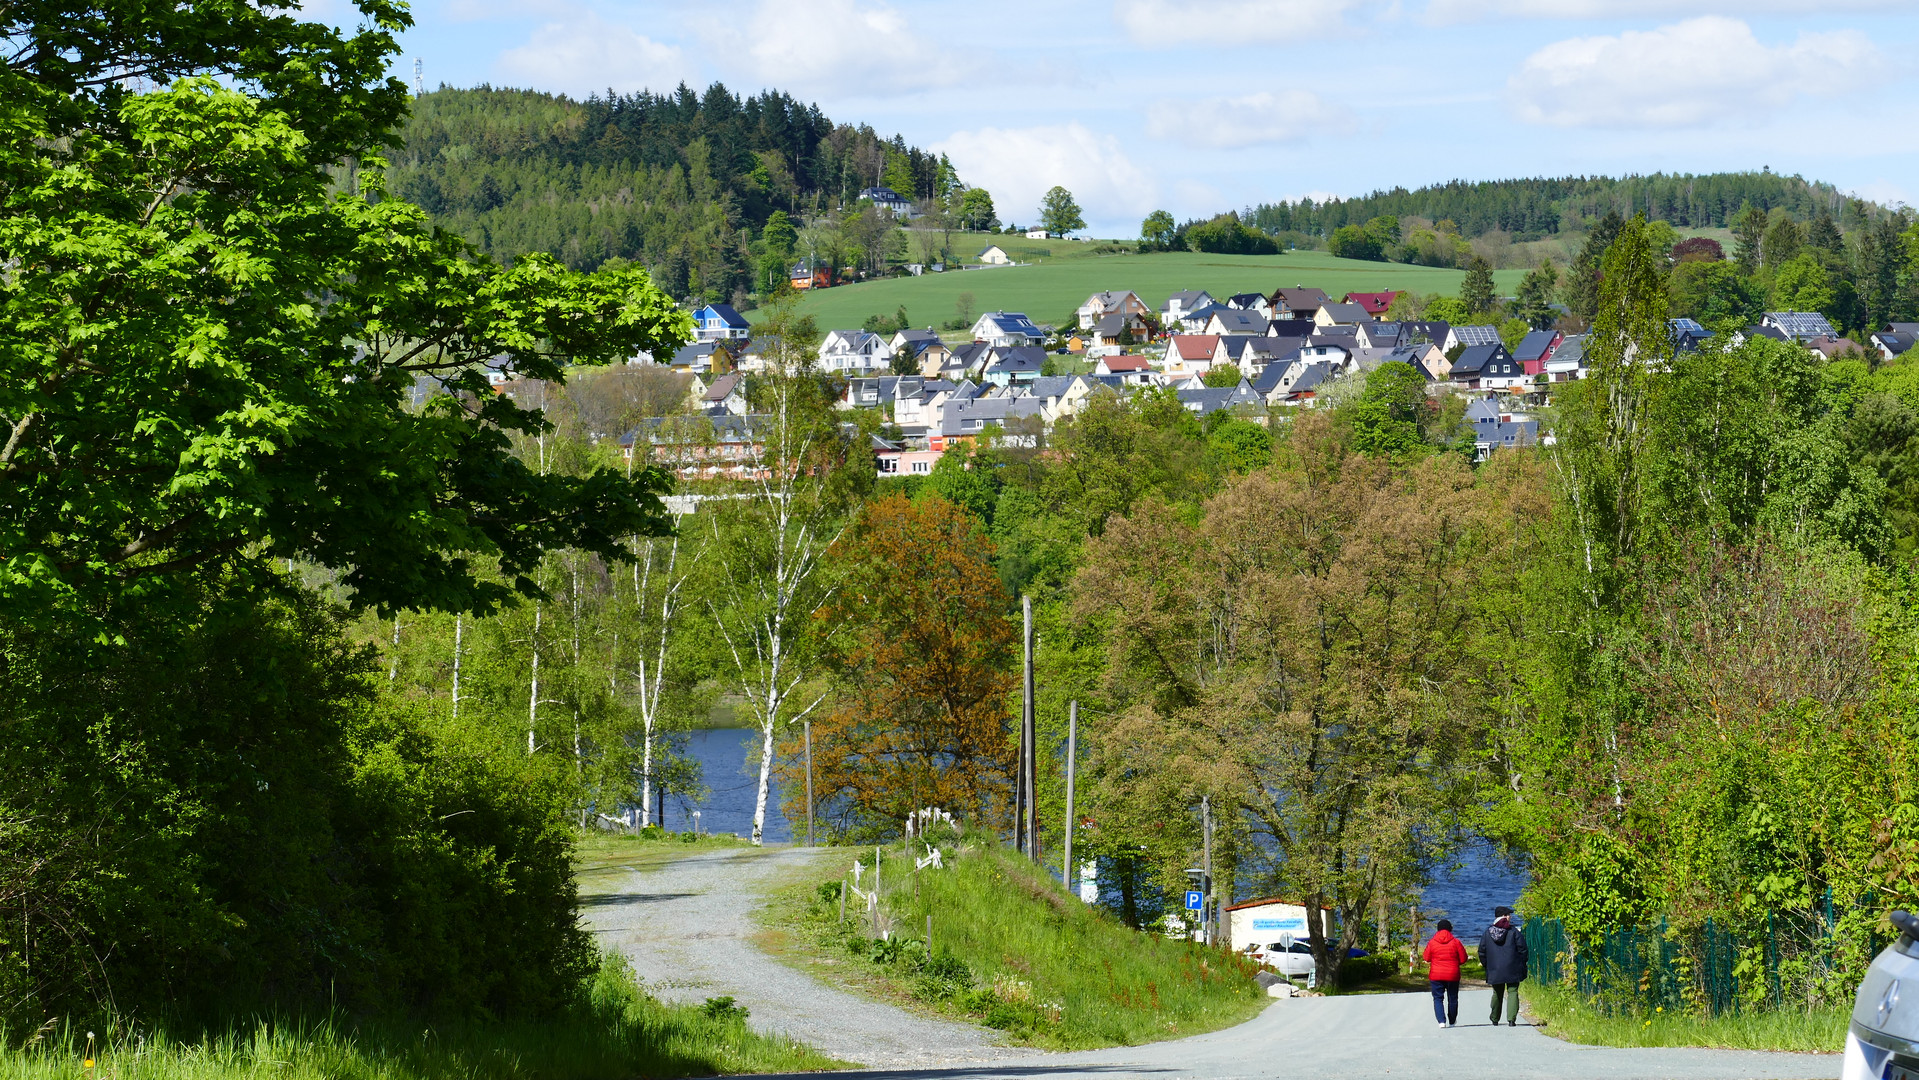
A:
[(800, 477)]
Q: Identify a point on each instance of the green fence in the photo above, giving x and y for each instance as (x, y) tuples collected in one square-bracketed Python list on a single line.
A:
[(1791, 959)]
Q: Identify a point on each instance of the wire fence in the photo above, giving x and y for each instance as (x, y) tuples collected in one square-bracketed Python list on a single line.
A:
[(1787, 959)]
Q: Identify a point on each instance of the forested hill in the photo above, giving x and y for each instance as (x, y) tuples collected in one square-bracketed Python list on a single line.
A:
[(672, 181), (1531, 209)]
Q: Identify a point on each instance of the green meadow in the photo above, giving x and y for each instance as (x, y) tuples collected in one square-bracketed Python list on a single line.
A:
[(1052, 288)]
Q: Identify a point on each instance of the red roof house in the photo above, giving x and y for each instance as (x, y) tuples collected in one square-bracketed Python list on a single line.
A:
[(1375, 303)]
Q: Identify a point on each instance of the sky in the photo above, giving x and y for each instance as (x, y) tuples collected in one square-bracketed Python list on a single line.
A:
[(1199, 106)]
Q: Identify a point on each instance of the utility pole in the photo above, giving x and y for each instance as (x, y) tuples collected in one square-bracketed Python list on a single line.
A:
[(1030, 764), (1067, 872), (1209, 908), (808, 727)]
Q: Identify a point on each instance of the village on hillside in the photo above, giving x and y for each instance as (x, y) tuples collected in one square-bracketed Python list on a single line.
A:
[(1255, 356)]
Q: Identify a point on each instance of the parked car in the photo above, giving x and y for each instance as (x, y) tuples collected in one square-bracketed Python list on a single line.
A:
[(1292, 961), (1882, 1043)]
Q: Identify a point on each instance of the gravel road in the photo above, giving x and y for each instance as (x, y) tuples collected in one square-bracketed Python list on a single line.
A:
[(687, 929)]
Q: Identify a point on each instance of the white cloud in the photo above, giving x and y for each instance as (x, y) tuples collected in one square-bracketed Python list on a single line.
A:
[(1018, 165), (834, 44), (586, 54), (1695, 73), (1454, 11), (1177, 22), (1253, 120)]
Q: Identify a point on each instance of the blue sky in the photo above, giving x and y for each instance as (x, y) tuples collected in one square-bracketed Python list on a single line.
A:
[(1197, 106)]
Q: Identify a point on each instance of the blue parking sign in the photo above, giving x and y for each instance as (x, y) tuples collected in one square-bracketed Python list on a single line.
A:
[(1194, 898)]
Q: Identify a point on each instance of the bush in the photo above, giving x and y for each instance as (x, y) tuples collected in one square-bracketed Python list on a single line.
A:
[(1360, 970), (225, 820)]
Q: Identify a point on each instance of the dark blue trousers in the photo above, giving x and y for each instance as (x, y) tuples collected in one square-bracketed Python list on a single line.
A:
[(1445, 1000)]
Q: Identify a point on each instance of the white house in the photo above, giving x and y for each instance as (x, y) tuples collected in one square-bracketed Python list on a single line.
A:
[(889, 200), (1123, 302), (1181, 303), (994, 255), (1131, 370), (1037, 234), (854, 352), (1004, 328)]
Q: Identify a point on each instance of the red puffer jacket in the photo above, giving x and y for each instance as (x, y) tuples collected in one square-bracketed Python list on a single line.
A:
[(1444, 954)]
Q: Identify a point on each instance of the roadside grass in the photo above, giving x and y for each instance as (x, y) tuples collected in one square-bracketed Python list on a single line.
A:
[(1052, 290), (618, 1032), (1568, 1016), (1010, 950)]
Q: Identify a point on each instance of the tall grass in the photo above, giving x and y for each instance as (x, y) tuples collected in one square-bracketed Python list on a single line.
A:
[(618, 1033), (1569, 1017), (1013, 950)]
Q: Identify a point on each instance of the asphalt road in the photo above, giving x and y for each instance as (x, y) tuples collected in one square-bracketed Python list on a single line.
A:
[(687, 930)]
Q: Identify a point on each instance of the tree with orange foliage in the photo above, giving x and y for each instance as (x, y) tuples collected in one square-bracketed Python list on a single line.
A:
[(923, 666)]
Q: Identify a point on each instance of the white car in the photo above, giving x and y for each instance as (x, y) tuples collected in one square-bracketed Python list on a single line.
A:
[(1292, 961)]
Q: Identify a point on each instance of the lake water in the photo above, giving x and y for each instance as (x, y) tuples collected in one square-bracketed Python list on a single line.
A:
[(729, 766), (729, 763)]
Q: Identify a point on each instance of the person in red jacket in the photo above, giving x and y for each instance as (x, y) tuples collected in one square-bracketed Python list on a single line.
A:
[(1444, 953)]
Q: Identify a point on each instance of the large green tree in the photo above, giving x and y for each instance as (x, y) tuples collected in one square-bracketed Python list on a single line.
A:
[(1059, 213), (209, 356)]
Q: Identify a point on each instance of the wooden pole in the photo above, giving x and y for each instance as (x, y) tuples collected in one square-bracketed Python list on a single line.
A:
[(1027, 736), (1206, 900), (1069, 874), (809, 782)]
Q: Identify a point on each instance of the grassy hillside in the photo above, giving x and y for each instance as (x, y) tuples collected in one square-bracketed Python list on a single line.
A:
[(1010, 950), (1053, 288)]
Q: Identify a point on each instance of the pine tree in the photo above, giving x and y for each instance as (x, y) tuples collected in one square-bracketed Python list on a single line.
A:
[(1477, 291)]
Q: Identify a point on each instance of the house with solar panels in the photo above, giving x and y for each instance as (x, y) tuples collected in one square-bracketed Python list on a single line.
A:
[(1799, 326)]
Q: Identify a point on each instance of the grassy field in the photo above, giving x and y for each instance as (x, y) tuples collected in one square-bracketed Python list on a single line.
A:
[(1010, 950), (1567, 1017), (1051, 290)]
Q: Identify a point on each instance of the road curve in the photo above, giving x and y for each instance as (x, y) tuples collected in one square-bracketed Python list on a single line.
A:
[(687, 930)]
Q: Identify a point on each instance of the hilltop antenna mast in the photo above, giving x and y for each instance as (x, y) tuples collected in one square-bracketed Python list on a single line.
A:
[(419, 82)]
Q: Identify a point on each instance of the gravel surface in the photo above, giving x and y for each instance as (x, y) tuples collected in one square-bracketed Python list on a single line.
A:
[(687, 929)]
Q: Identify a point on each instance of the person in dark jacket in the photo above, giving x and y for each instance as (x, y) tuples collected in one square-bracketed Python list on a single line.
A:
[(1444, 954), (1502, 951)]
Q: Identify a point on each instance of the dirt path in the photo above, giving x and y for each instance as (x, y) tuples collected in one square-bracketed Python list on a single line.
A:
[(687, 930)]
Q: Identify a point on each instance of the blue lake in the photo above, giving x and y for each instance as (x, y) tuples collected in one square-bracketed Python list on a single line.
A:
[(729, 763)]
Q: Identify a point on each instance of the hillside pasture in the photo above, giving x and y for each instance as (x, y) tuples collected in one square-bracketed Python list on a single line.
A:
[(1051, 289)]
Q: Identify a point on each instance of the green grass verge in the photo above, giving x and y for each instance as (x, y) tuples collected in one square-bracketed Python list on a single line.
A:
[(1010, 950), (602, 860), (1054, 288), (1567, 1016), (619, 1032)]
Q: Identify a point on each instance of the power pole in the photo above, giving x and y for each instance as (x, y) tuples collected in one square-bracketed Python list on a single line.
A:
[(1067, 873), (1208, 907), (808, 727), (1030, 755)]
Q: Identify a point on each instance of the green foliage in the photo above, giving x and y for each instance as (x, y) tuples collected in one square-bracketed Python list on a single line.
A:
[(1059, 213), (1158, 232), (231, 822), (1374, 240), (1532, 304), (1014, 952), (1227, 235), (1386, 418), (610, 1027), (1607, 889), (1535, 207), (1477, 291), (1241, 445), (1801, 284), (1716, 294), (976, 210), (1222, 377)]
